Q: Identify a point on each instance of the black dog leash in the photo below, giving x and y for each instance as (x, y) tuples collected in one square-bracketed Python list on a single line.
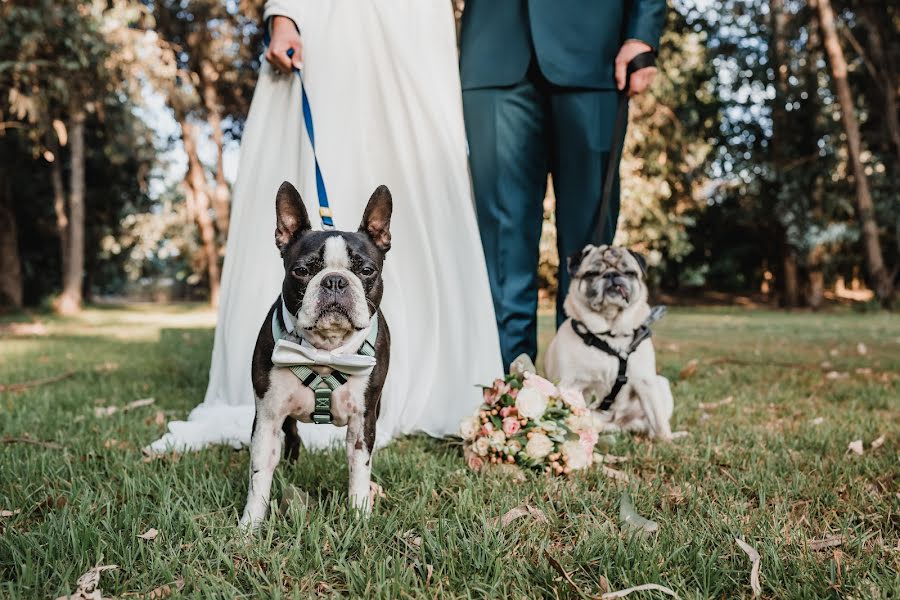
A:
[(641, 61)]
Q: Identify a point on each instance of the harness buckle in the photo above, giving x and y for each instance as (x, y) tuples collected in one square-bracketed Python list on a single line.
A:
[(322, 412)]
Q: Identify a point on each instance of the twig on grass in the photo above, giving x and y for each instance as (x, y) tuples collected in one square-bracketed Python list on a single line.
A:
[(24, 385), (559, 569), (638, 588), (754, 569), (28, 440)]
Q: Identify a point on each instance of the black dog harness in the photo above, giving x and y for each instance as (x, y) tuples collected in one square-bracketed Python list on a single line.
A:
[(596, 341)]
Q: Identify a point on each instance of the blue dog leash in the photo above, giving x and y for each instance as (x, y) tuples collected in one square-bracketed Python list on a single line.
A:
[(324, 208)]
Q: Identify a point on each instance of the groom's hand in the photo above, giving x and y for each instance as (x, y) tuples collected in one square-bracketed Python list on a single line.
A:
[(285, 37), (640, 80)]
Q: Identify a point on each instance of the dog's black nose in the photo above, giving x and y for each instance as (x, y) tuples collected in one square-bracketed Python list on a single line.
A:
[(335, 282)]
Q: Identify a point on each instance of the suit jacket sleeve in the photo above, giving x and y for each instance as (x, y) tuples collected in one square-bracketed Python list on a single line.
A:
[(646, 20)]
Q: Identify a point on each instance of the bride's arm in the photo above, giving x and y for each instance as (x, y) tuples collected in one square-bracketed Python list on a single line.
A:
[(281, 17)]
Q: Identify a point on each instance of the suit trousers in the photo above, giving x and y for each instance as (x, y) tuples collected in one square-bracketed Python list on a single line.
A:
[(517, 135)]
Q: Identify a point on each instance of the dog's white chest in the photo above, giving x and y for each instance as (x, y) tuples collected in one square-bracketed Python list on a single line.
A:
[(296, 400)]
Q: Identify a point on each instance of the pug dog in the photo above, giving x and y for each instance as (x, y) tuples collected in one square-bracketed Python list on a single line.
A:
[(323, 349), (604, 350)]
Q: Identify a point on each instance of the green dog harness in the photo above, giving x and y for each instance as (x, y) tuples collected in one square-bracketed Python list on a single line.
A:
[(324, 386)]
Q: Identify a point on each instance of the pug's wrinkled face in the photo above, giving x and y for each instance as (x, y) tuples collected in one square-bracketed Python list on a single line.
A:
[(332, 281), (608, 277)]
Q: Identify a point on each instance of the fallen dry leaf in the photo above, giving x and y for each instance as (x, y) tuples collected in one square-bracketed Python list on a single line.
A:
[(614, 474), (856, 447), (88, 585), (754, 569), (613, 459), (861, 349), (294, 496), (829, 542), (877, 442), (835, 375), (375, 491), (410, 538), (521, 511), (863, 371), (105, 411), (690, 369), (10, 513), (630, 519), (150, 534), (817, 420), (639, 588), (163, 591), (705, 405), (514, 472), (114, 443)]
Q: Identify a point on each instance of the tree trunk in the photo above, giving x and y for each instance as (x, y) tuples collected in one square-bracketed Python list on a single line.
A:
[(778, 56), (865, 209), (70, 300), (815, 292), (195, 179), (221, 195), (10, 262), (59, 207), (791, 283), (874, 17)]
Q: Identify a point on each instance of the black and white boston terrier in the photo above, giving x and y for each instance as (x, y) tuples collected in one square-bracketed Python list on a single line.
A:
[(323, 350)]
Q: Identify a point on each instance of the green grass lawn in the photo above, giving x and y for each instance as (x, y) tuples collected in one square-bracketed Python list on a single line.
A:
[(771, 467)]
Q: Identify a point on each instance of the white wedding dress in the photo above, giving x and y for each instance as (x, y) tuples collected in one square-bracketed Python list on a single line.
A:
[(383, 84)]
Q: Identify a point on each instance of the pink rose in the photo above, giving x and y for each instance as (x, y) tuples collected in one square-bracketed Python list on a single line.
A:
[(474, 461), (490, 396), (511, 426), (588, 440), (501, 387), (540, 384), (508, 411), (487, 428)]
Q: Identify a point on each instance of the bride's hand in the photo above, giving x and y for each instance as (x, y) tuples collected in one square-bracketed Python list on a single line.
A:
[(285, 37)]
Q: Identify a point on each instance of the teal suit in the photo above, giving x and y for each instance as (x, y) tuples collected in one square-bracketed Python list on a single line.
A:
[(539, 97)]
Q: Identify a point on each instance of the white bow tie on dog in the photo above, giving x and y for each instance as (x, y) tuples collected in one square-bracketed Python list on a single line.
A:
[(345, 358)]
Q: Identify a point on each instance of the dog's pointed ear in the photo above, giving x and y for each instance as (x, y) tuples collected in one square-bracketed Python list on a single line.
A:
[(641, 261), (291, 218), (574, 261), (376, 221)]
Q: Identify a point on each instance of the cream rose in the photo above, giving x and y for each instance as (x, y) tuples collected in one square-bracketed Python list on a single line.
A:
[(498, 438), (538, 446), (469, 427), (531, 404), (573, 398), (576, 457), (481, 446)]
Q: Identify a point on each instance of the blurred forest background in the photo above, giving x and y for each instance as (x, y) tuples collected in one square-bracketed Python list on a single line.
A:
[(765, 165)]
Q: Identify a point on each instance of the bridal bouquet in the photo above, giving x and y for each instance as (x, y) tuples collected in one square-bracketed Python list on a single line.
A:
[(525, 420)]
